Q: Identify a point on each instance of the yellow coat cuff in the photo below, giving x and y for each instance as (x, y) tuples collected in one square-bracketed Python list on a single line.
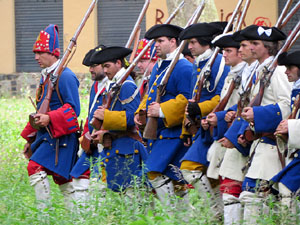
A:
[(114, 120), (174, 110), (207, 106), (142, 104)]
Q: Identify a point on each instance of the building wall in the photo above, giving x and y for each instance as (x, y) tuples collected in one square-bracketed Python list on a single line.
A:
[(74, 11), (157, 13), (263, 12), (7, 43)]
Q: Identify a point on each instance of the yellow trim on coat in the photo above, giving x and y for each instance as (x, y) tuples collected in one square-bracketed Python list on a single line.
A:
[(114, 120), (173, 110), (192, 166), (207, 106)]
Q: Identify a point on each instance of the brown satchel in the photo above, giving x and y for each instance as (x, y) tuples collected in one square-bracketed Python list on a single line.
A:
[(86, 143)]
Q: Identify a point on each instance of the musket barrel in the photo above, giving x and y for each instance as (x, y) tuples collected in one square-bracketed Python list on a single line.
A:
[(290, 15), (283, 13), (72, 43), (289, 41), (244, 12), (137, 24)]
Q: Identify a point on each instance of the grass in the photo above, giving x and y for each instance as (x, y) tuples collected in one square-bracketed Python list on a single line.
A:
[(17, 199)]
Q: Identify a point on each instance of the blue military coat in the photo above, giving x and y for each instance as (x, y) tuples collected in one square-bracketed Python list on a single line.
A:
[(124, 159), (166, 151), (202, 140), (63, 127)]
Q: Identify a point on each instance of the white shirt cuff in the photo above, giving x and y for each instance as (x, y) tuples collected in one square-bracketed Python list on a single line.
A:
[(161, 114)]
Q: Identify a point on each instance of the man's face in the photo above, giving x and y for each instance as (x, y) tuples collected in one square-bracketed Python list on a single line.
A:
[(110, 69), (259, 51), (45, 59), (231, 56), (142, 65), (195, 48), (163, 46), (292, 73), (97, 72), (245, 51)]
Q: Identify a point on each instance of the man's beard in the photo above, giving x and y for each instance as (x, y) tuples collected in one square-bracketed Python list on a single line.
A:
[(98, 76)]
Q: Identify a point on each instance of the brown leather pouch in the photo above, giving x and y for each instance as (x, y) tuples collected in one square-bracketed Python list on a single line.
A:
[(86, 143)]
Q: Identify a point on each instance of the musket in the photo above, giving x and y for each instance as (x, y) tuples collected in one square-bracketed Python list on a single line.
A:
[(137, 24), (190, 123), (235, 83), (283, 13), (266, 79), (243, 15), (44, 108), (96, 123), (290, 15), (136, 31), (135, 45), (150, 131)]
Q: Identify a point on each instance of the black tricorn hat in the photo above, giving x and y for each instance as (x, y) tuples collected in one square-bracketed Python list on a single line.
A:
[(109, 53), (237, 36), (289, 59), (222, 24), (254, 32), (87, 58), (160, 30), (200, 30), (225, 41)]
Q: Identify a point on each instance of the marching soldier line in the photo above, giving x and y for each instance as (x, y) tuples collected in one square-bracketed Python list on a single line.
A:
[(228, 129)]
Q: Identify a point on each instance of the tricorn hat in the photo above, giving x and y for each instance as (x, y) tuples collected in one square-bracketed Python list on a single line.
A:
[(87, 58), (237, 36), (225, 41), (160, 30), (254, 32), (109, 53), (200, 30), (289, 59)]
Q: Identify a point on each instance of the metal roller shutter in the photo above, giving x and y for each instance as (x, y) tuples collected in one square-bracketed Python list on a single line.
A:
[(116, 20), (32, 16), (289, 26)]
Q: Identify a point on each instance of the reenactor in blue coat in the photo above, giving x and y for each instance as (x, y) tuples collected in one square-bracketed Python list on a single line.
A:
[(194, 163), (54, 149), (87, 164), (166, 151), (287, 181), (124, 155)]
